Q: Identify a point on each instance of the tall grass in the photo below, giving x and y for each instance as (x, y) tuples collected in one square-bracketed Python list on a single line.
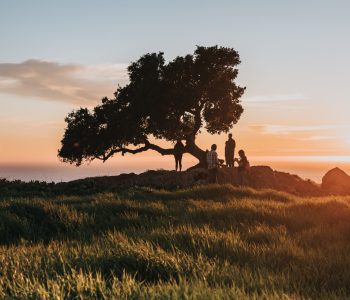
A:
[(212, 242)]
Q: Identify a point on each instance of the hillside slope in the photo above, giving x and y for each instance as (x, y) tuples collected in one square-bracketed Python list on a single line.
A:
[(212, 242)]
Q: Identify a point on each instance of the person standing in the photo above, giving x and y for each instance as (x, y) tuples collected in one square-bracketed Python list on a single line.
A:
[(230, 146), (179, 150), (213, 164), (243, 167)]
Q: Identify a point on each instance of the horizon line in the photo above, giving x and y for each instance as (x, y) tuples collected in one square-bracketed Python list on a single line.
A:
[(252, 158)]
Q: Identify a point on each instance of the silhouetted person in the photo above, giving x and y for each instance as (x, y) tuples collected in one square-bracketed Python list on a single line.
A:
[(243, 167), (230, 146), (179, 149), (213, 164)]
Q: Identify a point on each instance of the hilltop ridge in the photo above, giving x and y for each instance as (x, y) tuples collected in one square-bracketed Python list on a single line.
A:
[(334, 182), (260, 177)]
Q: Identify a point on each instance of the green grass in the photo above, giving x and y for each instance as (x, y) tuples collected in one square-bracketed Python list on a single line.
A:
[(210, 242)]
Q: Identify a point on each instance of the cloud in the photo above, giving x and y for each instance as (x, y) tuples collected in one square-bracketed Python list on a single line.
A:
[(262, 100), (318, 138), (52, 81), (287, 129), (276, 98)]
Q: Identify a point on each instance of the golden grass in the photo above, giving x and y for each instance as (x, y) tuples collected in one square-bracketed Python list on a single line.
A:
[(212, 242)]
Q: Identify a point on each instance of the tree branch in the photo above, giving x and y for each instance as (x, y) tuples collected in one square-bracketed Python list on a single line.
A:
[(99, 157), (146, 147)]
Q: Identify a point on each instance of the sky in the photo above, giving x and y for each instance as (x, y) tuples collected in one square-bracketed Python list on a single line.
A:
[(57, 56)]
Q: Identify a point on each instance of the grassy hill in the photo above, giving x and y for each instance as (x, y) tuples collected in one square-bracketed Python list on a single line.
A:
[(210, 242)]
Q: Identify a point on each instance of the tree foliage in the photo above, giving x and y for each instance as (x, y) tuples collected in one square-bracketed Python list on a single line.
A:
[(168, 101)]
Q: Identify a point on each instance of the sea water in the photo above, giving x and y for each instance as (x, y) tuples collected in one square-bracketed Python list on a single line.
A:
[(306, 168)]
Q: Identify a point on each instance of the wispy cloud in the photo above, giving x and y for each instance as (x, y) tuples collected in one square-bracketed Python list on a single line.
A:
[(287, 129), (262, 100), (318, 138), (71, 83)]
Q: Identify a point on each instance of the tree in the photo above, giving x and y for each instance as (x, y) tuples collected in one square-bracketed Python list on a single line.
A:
[(167, 101)]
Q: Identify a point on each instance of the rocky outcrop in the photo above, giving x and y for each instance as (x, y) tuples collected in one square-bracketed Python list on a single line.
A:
[(294, 184), (264, 177), (336, 181)]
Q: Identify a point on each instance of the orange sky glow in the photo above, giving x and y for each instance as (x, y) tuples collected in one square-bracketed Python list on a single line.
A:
[(294, 63)]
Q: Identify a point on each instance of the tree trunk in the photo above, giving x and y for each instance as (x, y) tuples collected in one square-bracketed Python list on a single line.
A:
[(198, 153)]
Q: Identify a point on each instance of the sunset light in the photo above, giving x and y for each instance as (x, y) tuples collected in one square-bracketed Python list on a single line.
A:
[(295, 104), (187, 149)]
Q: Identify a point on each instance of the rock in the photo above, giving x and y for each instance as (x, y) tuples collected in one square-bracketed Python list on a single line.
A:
[(336, 181), (262, 177), (294, 184)]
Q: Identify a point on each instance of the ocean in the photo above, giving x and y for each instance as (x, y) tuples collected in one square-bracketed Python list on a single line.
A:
[(59, 172)]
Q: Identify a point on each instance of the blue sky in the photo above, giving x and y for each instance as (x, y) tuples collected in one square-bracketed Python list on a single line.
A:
[(295, 64), (119, 31)]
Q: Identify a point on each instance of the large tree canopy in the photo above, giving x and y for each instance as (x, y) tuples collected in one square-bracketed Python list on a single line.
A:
[(167, 101)]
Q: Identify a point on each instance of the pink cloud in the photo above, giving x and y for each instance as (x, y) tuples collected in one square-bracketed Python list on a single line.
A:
[(70, 83)]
